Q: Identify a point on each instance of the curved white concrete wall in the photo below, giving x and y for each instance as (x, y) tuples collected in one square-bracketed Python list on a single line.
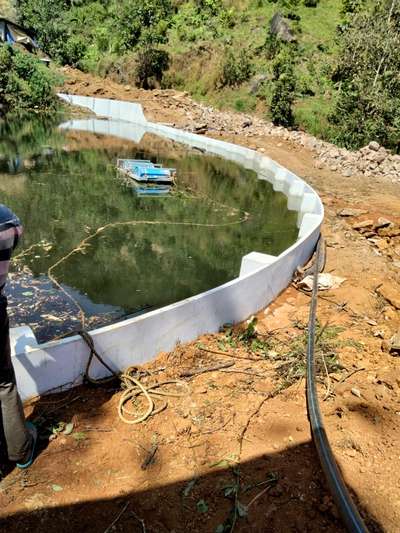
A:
[(134, 341)]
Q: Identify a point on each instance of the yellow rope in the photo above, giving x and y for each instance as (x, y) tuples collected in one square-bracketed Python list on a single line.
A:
[(131, 385), (133, 388)]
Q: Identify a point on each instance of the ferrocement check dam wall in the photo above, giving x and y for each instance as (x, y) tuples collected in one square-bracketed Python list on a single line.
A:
[(56, 364)]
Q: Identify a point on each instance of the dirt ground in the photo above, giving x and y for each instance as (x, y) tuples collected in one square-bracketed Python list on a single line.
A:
[(234, 452)]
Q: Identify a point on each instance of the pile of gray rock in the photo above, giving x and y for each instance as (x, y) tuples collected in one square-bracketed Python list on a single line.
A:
[(371, 160)]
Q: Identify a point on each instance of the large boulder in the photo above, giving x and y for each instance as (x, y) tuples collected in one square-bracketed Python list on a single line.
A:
[(280, 27)]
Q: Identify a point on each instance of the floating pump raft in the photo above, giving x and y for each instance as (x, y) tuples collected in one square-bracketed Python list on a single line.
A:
[(144, 171)]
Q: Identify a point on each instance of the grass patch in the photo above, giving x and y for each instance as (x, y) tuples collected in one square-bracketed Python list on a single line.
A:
[(293, 365), (311, 115), (246, 338), (289, 355)]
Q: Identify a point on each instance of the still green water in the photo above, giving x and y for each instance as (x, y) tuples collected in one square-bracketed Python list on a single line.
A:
[(64, 186)]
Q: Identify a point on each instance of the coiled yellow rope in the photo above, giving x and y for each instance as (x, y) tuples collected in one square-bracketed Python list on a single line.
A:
[(133, 388)]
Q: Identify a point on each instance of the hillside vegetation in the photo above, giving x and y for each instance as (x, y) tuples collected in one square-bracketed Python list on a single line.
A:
[(332, 70)]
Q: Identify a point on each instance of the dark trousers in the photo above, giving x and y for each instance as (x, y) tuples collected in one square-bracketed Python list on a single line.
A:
[(15, 440)]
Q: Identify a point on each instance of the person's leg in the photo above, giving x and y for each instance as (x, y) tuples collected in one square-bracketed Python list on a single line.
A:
[(18, 441)]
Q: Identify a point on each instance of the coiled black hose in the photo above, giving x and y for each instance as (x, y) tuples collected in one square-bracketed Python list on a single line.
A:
[(350, 515)]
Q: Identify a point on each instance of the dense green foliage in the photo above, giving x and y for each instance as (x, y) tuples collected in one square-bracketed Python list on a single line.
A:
[(25, 83), (236, 69), (368, 78), (222, 51), (284, 87), (85, 30)]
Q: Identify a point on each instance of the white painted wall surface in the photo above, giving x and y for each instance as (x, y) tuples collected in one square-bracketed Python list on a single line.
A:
[(134, 341)]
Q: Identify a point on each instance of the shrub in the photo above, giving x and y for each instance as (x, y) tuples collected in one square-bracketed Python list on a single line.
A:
[(352, 6), (203, 19), (140, 21), (172, 80), (25, 83), (284, 87), (236, 68), (311, 3), (270, 46), (367, 76), (151, 63)]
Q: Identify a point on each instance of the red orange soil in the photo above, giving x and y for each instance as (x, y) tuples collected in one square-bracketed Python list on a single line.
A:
[(83, 481)]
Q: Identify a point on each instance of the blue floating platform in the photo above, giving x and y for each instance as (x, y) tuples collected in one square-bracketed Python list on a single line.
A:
[(144, 171)]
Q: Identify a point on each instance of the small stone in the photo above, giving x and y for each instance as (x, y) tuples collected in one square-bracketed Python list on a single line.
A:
[(390, 231), (382, 245), (385, 346), (379, 157), (352, 212), (347, 172), (356, 392), (373, 145), (200, 128), (395, 344), (390, 293), (363, 224), (383, 223), (389, 313)]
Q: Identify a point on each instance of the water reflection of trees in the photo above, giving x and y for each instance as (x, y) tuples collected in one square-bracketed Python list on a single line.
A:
[(70, 193), (25, 141)]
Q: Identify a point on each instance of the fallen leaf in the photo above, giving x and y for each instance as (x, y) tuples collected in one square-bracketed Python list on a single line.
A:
[(68, 428)]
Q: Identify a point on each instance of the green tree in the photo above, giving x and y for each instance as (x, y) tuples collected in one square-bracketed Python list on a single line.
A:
[(45, 19), (236, 68), (140, 22), (25, 83), (284, 88), (368, 78)]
